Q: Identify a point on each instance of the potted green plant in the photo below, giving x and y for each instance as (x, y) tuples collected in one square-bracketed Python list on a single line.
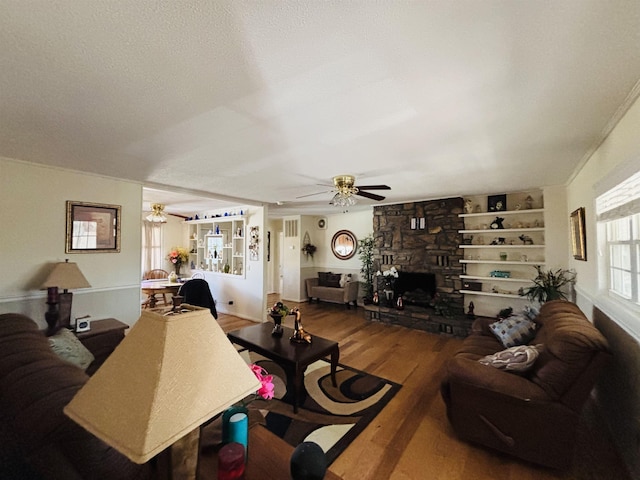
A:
[(276, 312), (309, 249), (365, 254), (548, 285)]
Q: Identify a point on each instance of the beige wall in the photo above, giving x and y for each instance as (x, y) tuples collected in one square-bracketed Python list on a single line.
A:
[(298, 267), (33, 233), (619, 390), (33, 218), (620, 152)]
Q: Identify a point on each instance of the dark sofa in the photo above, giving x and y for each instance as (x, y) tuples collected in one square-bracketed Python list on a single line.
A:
[(534, 414), (37, 441)]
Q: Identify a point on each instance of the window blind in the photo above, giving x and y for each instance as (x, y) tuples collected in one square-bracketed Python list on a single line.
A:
[(621, 201)]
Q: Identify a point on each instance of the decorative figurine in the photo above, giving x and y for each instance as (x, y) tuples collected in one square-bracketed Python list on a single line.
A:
[(468, 206), (376, 299), (470, 313), (528, 202), (399, 303), (497, 224), (526, 239), (299, 335)]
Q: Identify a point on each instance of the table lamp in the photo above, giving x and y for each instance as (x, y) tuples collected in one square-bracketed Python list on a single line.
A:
[(167, 377), (65, 275)]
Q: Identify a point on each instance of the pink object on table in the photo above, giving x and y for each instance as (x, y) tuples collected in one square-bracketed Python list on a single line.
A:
[(231, 462)]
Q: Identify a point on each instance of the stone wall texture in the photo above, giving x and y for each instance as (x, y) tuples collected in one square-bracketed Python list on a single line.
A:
[(434, 248)]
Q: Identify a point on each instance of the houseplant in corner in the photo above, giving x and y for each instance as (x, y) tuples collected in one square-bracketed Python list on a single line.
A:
[(548, 285), (365, 254)]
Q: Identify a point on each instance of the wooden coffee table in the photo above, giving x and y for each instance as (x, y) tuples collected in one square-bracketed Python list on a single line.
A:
[(292, 357)]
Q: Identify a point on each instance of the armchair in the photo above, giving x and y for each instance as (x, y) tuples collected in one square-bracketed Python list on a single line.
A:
[(533, 415)]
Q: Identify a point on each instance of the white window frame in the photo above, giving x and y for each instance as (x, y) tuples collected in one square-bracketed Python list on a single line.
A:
[(619, 206)]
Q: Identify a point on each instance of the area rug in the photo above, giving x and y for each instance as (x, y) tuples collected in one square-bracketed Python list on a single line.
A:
[(330, 416)]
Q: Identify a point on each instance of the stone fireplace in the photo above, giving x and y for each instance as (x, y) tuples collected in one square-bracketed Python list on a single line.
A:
[(421, 241)]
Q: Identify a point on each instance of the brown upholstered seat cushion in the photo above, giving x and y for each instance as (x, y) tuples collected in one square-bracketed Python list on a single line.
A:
[(570, 341), (35, 385)]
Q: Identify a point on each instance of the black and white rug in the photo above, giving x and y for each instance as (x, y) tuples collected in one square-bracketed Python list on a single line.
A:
[(330, 416)]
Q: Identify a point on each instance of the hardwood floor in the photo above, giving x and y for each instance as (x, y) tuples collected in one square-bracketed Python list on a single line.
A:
[(411, 438)]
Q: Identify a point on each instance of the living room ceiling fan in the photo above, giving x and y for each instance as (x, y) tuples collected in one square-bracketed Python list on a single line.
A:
[(345, 189)]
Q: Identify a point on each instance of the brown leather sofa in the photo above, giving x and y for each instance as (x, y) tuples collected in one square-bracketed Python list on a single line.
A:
[(531, 415), (37, 441)]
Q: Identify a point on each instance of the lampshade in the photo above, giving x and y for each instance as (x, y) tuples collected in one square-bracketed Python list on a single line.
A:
[(167, 377), (66, 275), (157, 214)]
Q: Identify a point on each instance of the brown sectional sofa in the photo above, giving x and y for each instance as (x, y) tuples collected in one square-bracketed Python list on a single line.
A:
[(37, 441), (326, 287), (532, 415)]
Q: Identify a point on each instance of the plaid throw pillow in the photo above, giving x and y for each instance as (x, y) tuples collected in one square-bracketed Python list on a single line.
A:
[(514, 330)]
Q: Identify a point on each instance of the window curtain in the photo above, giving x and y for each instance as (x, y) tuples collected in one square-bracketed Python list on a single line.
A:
[(151, 246)]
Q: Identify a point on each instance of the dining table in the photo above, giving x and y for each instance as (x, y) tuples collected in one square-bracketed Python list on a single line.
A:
[(151, 288)]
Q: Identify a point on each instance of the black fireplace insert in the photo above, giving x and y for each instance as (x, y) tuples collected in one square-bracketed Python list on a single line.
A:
[(416, 288)]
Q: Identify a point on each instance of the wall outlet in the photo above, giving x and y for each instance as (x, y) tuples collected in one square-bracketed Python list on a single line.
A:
[(230, 302)]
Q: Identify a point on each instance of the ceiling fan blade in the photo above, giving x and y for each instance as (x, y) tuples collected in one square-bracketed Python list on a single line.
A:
[(372, 196), (374, 187), (312, 194)]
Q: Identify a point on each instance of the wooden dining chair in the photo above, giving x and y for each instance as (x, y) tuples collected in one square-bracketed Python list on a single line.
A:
[(155, 274)]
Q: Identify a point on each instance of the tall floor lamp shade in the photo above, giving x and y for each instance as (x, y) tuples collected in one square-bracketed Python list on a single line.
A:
[(167, 377), (65, 275)]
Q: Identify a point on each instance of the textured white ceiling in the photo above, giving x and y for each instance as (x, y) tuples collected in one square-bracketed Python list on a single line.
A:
[(263, 101)]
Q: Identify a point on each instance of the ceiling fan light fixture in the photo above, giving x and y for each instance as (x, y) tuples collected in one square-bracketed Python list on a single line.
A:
[(157, 214), (341, 199), (345, 191)]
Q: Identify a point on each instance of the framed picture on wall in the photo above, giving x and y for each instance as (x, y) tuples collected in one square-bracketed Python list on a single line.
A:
[(497, 203), (578, 235), (92, 228)]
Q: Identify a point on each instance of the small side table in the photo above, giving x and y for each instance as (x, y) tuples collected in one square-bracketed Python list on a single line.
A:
[(269, 458), (102, 339)]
